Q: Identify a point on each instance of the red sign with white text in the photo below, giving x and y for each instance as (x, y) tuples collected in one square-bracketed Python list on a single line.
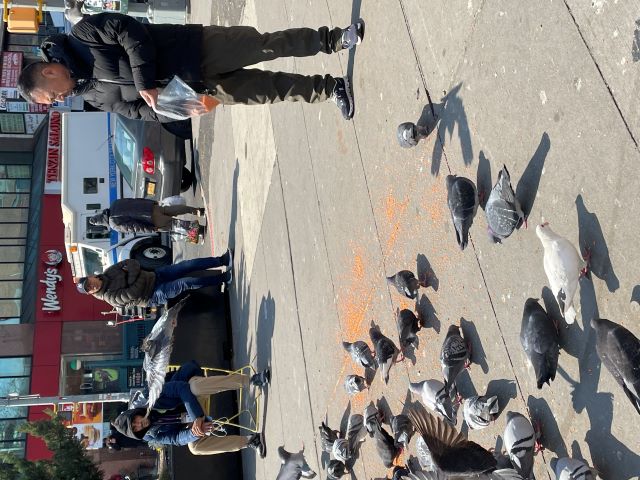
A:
[(52, 173)]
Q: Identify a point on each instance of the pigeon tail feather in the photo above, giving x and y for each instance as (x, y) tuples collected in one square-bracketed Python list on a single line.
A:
[(570, 314)]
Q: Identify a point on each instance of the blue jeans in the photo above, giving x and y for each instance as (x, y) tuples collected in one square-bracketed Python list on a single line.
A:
[(171, 280)]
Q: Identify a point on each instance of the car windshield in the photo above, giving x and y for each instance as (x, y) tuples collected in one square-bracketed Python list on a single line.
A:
[(125, 150), (92, 262)]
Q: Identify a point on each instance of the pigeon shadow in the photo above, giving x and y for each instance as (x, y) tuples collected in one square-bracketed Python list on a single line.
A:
[(470, 333), (551, 437), (529, 182), (426, 276), (465, 385), (504, 389), (355, 16), (571, 340), (449, 113), (427, 314), (635, 295), (483, 179), (591, 237), (382, 404)]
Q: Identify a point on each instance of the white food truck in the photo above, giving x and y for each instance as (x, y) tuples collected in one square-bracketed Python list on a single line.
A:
[(91, 179)]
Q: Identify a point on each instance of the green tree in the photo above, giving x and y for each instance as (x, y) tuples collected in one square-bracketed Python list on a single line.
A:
[(69, 460)]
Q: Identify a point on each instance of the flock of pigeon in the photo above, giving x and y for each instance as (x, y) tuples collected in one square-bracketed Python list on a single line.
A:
[(442, 452)]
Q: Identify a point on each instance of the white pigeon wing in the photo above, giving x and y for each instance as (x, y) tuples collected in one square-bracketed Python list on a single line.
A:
[(562, 264)]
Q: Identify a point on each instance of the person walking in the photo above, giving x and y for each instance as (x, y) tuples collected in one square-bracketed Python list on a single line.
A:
[(142, 215), (117, 64), (203, 436), (125, 284)]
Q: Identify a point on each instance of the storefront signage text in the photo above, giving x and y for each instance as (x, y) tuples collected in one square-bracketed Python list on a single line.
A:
[(53, 148), (50, 302)]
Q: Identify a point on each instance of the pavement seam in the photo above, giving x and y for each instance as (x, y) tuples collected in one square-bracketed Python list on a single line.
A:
[(604, 80), (295, 296), (415, 54)]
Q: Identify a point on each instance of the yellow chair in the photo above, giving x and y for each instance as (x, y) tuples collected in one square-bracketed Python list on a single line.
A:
[(233, 421)]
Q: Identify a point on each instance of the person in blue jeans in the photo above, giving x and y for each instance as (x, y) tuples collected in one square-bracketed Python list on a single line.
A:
[(125, 284)]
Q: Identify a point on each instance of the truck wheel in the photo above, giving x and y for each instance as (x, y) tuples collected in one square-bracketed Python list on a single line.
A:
[(187, 180), (153, 255)]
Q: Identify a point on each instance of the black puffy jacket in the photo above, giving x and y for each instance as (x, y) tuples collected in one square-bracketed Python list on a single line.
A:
[(121, 56), (128, 215)]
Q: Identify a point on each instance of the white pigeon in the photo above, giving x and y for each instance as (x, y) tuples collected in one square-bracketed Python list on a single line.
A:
[(157, 348), (563, 266), (567, 468), (435, 397), (520, 441)]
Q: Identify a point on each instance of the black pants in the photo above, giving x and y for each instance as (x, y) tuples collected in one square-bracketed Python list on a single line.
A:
[(228, 50)]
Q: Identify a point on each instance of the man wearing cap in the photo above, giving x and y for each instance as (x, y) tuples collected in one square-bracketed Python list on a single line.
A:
[(125, 284)]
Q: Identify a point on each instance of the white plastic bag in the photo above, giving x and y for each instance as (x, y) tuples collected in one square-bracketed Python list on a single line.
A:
[(171, 201), (180, 102)]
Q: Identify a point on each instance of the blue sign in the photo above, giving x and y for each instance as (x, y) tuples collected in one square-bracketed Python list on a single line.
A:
[(113, 184)]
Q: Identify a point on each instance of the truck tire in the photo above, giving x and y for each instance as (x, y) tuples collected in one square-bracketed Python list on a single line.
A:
[(152, 255), (187, 180)]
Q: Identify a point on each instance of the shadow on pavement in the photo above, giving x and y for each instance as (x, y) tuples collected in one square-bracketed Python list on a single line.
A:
[(426, 275), (551, 437), (427, 314), (635, 294), (483, 179), (449, 113), (530, 180), (470, 334), (355, 16), (504, 389), (592, 239)]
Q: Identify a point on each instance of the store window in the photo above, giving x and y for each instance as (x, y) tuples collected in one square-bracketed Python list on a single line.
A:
[(90, 185), (15, 187), (84, 374), (15, 375)]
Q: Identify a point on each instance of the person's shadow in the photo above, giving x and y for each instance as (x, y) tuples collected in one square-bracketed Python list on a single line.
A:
[(592, 238), (355, 17), (527, 186), (449, 113)]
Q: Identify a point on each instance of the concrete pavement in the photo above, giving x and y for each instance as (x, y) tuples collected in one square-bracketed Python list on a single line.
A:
[(319, 209)]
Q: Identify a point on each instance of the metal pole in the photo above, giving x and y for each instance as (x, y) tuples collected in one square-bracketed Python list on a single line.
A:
[(36, 399)]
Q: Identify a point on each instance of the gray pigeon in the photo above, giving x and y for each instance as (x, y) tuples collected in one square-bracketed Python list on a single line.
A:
[(340, 450), (294, 466), (354, 384), (436, 398), (386, 350), (619, 350), (480, 411), (462, 199), (541, 342), (520, 442), (424, 455), (408, 326), (361, 353), (567, 468), (503, 210), (385, 446), (454, 355), (409, 134), (563, 266), (336, 469), (327, 437), (450, 451), (402, 429), (157, 348), (355, 435), (406, 283)]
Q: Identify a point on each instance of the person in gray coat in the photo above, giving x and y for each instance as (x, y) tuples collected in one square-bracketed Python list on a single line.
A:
[(141, 215)]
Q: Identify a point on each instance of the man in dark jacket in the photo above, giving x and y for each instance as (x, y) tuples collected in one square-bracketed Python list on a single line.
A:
[(125, 284), (141, 215), (117, 64), (165, 426)]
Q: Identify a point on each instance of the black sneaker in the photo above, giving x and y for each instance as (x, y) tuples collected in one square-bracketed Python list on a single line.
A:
[(256, 441), (201, 212), (230, 262), (261, 379), (343, 98), (352, 36)]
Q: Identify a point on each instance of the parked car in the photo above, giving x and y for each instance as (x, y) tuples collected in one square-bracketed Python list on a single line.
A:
[(153, 161)]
